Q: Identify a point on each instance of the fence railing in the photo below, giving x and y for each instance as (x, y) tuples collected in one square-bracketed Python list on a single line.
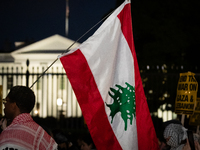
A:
[(159, 82), (52, 86)]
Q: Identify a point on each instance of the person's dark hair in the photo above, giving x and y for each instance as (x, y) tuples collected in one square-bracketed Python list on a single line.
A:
[(61, 138), (88, 139), (166, 123), (24, 98)]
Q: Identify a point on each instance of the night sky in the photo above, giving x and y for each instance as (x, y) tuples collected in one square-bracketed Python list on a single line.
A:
[(85, 14), (165, 32), (30, 20), (34, 20)]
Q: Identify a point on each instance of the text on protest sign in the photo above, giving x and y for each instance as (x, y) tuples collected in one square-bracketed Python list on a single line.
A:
[(186, 94)]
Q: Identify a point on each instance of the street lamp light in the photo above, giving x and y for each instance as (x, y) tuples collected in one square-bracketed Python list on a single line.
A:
[(37, 110), (59, 104)]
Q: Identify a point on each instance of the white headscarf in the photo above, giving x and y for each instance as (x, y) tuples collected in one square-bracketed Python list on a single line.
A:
[(177, 133)]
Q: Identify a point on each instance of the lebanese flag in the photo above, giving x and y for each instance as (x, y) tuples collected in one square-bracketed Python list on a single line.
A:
[(104, 75)]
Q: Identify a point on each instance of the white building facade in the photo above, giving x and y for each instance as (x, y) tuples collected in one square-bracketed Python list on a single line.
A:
[(54, 94)]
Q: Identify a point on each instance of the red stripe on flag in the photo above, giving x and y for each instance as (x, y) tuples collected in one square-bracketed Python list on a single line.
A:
[(145, 129), (92, 105)]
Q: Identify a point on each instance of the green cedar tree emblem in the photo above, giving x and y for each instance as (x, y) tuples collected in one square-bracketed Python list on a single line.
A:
[(124, 102)]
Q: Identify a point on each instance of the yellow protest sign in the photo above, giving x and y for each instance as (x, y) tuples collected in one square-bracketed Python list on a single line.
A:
[(1, 95), (186, 94), (195, 118)]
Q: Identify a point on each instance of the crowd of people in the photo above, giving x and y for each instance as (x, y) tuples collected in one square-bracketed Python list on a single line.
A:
[(20, 132), (81, 142)]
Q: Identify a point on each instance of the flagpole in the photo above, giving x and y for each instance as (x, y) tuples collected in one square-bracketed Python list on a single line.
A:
[(183, 119), (43, 73), (67, 50), (197, 130)]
